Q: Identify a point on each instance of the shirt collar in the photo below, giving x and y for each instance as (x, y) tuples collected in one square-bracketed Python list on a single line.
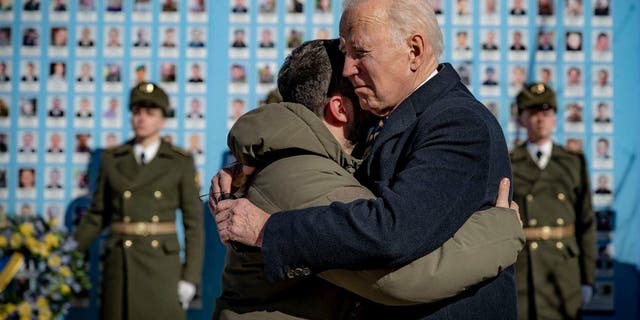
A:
[(150, 151)]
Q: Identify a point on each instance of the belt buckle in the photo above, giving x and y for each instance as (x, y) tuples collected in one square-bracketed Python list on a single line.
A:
[(142, 229)]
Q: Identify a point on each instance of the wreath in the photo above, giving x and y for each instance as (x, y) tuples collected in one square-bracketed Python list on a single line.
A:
[(40, 269)]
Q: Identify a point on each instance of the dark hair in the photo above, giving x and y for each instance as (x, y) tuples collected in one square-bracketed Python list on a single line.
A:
[(312, 73)]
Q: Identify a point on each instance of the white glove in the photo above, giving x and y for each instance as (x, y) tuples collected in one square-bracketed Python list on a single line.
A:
[(186, 291), (587, 293)]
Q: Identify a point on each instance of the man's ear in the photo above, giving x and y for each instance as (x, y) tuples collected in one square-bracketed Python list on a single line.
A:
[(336, 111), (417, 51)]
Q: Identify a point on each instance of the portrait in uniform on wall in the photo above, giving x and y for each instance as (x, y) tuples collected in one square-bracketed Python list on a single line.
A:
[(5, 37), (31, 5), (574, 144), (197, 37), (437, 6), (141, 38), (602, 86), (238, 73), (85, 74), (239, 39), (267, 40), (86, 39), (82, 143), (518, 8), (239, 6), (57, 107), (545, 8), (602, 152), (169, 38), (518, 41), (29, 72), (546, 41), (237, 107), (113, 38), (573, 8), (112, 72), (601, 8), (490, 40), (295, 38), (30, 37), (28, 143), (55, 143), (55, 179), (196, 74), (603, 183), (602, 113), (196, 109), (84, 108)]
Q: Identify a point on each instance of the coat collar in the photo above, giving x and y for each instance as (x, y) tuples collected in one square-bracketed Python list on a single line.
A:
[(136, 174), (416, 103)]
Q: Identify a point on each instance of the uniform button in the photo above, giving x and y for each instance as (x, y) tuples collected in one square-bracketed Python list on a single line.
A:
[(155, 219), (306, 271), (128, 243), (126, 219), (291, 274), (559, 245), (529, 197), (533, 245), (561, 196), (533, 222), (154, 243), (157, 194), (546, 232), (127, 194), (560, 221)]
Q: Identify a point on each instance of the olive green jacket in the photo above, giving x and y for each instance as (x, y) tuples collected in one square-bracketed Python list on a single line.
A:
[(556, 196), (141, 273), (302, 165)]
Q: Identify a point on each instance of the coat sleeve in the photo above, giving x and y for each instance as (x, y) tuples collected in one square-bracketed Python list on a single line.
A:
[(434, 190), (491, 239), (192, 210), (95, 220), (585, 228)]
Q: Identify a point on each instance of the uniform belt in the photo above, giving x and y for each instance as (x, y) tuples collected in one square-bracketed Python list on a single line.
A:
[(143, 228), (546, 233)]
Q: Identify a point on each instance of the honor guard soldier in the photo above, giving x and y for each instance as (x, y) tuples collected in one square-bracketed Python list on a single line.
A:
[(555, 271), (140, 186)]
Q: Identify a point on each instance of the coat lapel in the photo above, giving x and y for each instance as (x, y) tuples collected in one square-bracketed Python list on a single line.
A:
[(410, 109), (125, 162)]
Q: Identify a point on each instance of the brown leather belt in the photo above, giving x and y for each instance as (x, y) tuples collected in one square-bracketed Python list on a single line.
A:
[(143, 228), (546, 233)]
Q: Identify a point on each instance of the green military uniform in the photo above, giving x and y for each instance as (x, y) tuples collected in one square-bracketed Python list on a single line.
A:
[(555, 205), (138, 204)]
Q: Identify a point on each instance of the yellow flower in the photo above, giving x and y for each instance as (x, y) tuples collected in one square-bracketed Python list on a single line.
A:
[(65, 289), (44, 315), (15, 241), (42, 302), (27, 228), (25, 318), (31, 243), (53, 222), (54, 261), (51, 240), (24, 309), (10, 308), (3, 242), (65, 271)]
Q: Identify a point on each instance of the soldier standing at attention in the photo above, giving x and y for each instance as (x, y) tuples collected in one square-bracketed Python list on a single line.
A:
[(140, 186), (555, 271)]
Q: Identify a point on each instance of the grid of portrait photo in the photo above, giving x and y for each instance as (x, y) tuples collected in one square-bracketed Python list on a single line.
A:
[(66, 68), (498, 46), (261, 34)]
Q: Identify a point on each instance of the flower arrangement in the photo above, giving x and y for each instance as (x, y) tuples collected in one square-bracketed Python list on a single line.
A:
[(42, 270)]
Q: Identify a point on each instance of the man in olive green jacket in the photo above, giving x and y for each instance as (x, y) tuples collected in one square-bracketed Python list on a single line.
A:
[(136, 198), (555, 272), (303, 157)]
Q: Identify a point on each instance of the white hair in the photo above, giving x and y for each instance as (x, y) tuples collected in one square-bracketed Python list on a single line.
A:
[(410, 16)]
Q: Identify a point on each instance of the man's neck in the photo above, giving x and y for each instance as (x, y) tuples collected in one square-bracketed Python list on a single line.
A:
[(147, 141), (540, 141)]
